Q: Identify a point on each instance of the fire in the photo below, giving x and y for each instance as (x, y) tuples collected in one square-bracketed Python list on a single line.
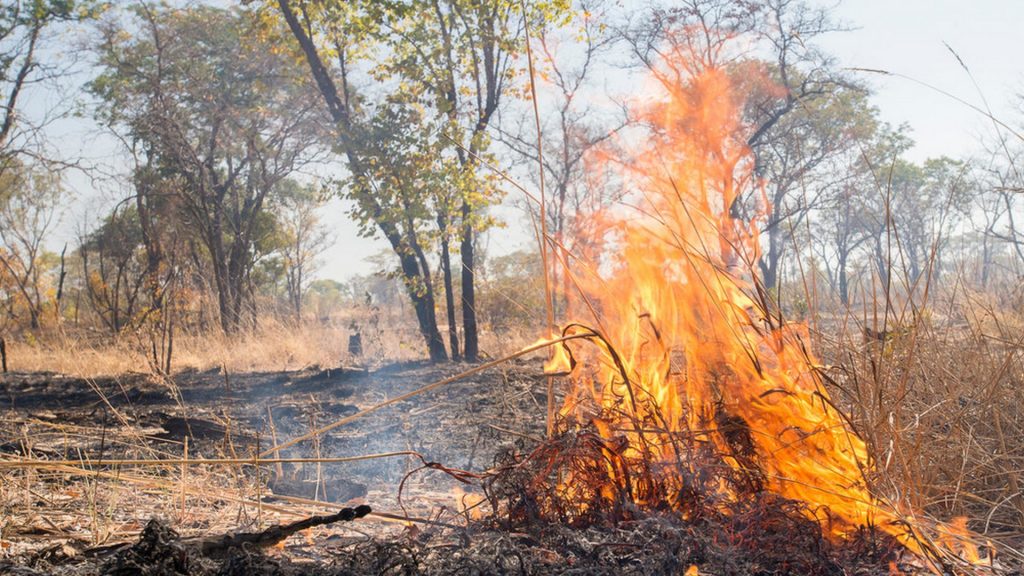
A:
[(467, 504), (695, 392), (956, 538)]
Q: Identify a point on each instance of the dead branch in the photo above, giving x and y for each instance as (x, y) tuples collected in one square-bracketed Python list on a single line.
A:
[(218, 546)]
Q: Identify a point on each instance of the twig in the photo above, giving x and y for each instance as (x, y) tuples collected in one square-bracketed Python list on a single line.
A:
[(542, 240)]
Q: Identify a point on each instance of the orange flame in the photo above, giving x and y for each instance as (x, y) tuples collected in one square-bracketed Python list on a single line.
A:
[(468, 504), (689, 352), (956, 538)]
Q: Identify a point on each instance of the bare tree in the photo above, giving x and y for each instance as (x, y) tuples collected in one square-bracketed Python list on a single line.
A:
[(305, 239), (29, 209), (115, 273), (692, 35), (802, 159), (1003, 204), (27, 28), (840, 233), (799, 110), (573, 128), (807, 114)]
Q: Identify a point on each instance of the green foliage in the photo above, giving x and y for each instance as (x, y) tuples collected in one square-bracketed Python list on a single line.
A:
[(414, 156), (217, 102), (113, 258), (215, 72), (27, 12), (118, 235), (25, 188), (21, 19), (438, 69)]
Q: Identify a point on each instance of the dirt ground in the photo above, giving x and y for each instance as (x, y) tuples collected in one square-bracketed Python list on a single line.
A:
[(80, 514)]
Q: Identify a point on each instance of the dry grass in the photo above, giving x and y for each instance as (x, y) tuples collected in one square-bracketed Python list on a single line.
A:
[(940, 400), (274, 346), (65, 496)]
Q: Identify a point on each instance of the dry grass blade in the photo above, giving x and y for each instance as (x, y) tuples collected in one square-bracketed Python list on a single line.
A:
[(254, 461)]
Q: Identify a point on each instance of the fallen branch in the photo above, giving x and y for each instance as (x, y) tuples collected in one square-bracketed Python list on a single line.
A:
[(213, 547)]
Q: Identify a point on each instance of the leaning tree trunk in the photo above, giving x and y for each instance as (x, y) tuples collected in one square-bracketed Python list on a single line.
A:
[(338, 109)]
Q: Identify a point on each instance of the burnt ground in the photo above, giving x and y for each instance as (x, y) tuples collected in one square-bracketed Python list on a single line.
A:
[(69, 517), (79, 515)]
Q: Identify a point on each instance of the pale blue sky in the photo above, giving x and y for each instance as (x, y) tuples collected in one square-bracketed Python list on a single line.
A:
[(902, 36), (907, 36)]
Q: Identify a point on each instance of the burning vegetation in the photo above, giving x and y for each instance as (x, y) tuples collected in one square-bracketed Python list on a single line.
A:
[(692, 428), (687, 394)]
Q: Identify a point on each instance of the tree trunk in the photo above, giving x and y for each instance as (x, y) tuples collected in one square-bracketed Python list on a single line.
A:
[(449, 295), (154, 252), (236, 289), (844, 287), (230, 294), (223, 297), (297, 297), (770, 261), (423, 303), (880, 263), (986, 260), (472, 346)]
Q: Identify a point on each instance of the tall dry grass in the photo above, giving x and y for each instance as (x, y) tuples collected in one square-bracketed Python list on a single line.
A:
[(939, 397)]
